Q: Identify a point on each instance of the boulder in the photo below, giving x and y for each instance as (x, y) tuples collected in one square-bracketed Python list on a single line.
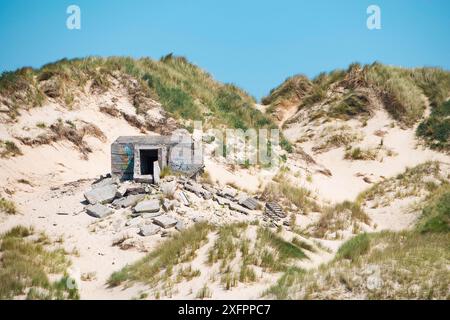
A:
[(101, 195), (147, 206), (128, 201), (198, 190), (98, 210), (165, 221), (149, 230), (168, 188)]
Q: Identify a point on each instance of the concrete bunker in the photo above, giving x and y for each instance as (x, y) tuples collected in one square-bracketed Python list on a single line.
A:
[(141, 158)]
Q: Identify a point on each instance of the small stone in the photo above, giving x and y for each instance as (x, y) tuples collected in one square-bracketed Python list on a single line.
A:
[(134, 222), (151, 215), (98, 210), (128, 201)]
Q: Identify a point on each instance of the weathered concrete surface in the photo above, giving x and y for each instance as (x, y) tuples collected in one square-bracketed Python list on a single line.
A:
[(128, 201), (147, 206), (101, 195), (165, 221), (149, 230), (98, 210)]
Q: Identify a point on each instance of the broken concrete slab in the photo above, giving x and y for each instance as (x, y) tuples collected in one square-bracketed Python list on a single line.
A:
[(180, 225), (149, 230), (183, 198), (236, 207), (128, 201), (151, 215), (198, 190), (101, 195), (99, 210), (228, 192), (134, 222), (248, 202), (147, 206), (222, 201), (165, 221)]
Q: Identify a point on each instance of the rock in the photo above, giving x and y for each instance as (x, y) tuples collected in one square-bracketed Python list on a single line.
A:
[(98, 210), (149, 230), (134, 222), (165, 221), (228, 192), (248, 202), (101, 195), (221, 201), (180, 225), (136, 189), (168, 188), (128, 201), (198, 190), (103, 182), (236, 207), (183, 198), (147, 206), (121, 190), (125, 234), (167, 205), (151, 215)]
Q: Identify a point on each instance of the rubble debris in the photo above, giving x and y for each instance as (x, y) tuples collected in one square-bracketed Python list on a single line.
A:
[(149, 230), (180, 225), (102, 195), (236, 207), (228, 192), (165, 221), (273, 210), (128, 201), (134, 222), (248, 202), (98, 210), (147, 206), (183, 198), (222, 201), (198, 190), (151, 215)]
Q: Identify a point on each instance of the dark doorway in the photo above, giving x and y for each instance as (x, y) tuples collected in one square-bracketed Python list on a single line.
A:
[(147, 158)]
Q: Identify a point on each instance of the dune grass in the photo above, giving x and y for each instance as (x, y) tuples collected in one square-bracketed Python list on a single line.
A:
[(7, 206), (26, 265), (436, 214), (158, 265), (436, 128), (9, 149)]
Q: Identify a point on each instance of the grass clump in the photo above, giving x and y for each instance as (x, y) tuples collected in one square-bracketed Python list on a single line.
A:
[(436, 214), (354, 248), (26, 264), (7, 206), (179, 249), (9, 149), (361, 154), (435, 130), (340, 217)]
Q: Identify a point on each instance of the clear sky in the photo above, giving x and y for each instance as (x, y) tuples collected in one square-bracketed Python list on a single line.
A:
[(254, 44)]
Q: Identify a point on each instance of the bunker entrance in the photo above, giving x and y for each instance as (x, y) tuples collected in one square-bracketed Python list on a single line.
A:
[(147, 158)]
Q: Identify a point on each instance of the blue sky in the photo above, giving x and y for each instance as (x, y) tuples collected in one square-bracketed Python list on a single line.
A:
[(254, 44)]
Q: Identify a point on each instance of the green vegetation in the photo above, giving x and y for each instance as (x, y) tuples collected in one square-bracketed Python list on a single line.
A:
[(26, 264), (436, 128), (361, 154), (385, 265), (9, 149), (340, 217), (158, 265), (355, 247), (7, 206), (352, 105), (404, 92), (436, 214), (185, 91)]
